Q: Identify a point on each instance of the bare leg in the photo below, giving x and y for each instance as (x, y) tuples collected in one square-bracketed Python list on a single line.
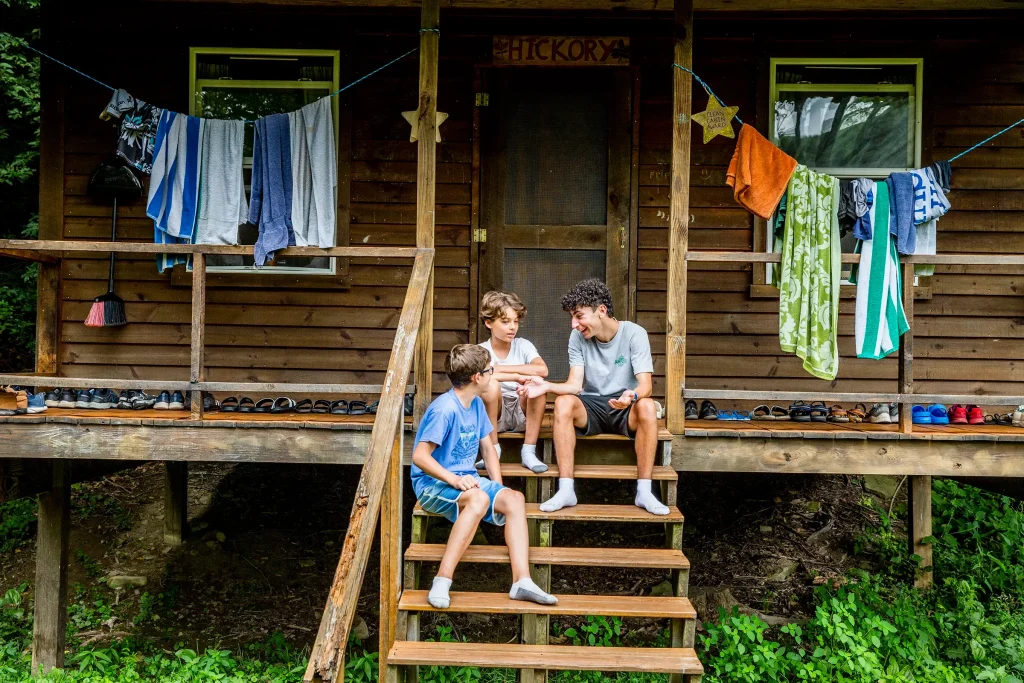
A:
[(534, 416), (473, 506), (643, 420), (512, 504), (569, 414), (492, 403)]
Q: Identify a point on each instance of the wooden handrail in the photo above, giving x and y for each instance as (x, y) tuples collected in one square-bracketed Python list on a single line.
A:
[(930, 259), (38, 249), (852, 397), (38, 380), (327, 658)]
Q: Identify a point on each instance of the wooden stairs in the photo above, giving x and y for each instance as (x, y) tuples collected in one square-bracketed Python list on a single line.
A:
[(534, 655)]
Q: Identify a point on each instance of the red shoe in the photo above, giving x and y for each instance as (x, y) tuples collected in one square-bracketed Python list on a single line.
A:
[(957, 414), (975, 415)]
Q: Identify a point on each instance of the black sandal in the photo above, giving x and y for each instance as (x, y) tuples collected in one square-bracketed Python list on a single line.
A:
[(321, 406), (372, 408), (304, 406), (229, 405), (708, 411), (264, 405), (357, 408), (246, 405), (818, 412), (800, 412), (339, 407), (407, 404), (283, 405)]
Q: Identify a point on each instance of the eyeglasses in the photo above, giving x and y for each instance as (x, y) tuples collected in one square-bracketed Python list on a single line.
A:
[(488, 370)]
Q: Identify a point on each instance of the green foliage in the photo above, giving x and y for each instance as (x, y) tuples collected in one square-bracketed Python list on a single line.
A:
[(17, 519)]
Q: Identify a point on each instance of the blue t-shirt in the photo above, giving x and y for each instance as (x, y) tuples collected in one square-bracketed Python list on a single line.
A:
[(457, 431)]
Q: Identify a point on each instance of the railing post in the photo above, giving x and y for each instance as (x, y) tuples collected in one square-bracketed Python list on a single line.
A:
[(920, 503), (390, 555), (196, 371), (906, 368), (679, 218), (426, 127), (51, 589)]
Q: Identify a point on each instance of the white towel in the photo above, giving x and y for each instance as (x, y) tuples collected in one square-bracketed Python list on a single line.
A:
[(222, 205), (314, 174), (880, 319), (174, 183)]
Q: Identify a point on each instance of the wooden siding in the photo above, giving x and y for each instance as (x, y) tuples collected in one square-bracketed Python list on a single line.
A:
[(969, 334)]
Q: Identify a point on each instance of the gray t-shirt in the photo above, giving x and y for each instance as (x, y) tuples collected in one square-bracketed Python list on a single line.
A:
[(610, 368)]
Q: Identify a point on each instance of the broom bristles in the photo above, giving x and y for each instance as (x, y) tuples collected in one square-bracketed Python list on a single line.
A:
[(96, 315), (107, 311)]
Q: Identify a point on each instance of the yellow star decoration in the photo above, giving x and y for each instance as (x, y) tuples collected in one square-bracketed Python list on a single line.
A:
[(410, 116), (716, 120)]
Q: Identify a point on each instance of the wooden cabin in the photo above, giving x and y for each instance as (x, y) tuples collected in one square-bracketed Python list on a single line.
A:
[(565, 150)]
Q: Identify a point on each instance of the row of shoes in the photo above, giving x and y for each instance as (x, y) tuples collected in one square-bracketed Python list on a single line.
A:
[(105, 399), (18, 401)]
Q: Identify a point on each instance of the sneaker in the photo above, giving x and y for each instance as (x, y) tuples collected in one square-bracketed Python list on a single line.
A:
[(879, 414), (691, 410), (67, 398), (52, 398), (37, 403), (957, 414), (163, 401), (124, 399), (142, 401), (84, 398), (894, 412), (177, 401), (707, 411), (1017, 418), (975, 415), (103, 399)]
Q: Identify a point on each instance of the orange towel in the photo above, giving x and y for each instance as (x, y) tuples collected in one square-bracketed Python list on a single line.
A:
[(759, 172)]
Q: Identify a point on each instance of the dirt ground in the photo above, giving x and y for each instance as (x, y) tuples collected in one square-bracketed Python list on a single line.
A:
[(264, 541)]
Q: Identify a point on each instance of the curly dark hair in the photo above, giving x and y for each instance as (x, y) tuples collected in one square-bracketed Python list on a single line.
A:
[(591, 292)]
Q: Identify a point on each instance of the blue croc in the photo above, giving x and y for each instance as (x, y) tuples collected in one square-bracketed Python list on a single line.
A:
[(743, 415), (921, 416), (938, 413), (727, 415)]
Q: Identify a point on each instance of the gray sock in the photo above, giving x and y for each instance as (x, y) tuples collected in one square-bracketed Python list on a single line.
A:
[(526, 589)]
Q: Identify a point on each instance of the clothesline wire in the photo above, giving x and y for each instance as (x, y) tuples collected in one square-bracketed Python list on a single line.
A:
[(988, 139), (66, 66), (707, 88)]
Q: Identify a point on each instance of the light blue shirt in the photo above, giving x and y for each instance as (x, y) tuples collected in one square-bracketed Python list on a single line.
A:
[(457, 431)]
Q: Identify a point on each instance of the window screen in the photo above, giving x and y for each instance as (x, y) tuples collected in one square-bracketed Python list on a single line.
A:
[(546, 324), (556, 155)]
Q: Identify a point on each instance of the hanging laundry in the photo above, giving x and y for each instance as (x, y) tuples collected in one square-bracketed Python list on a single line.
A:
[(139, 122), (270, 201), (811, 273), (943, 173), (758, 172), (174, 186), (847, 208), (880, 318), (222, 205), (901, 211), (859, 189), (930, 203), (314, 174)]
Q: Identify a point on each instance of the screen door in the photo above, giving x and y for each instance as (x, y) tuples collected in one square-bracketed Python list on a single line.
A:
[(555, 200)]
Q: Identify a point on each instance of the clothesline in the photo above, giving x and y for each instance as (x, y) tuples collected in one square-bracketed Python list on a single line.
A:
[(707, 88)]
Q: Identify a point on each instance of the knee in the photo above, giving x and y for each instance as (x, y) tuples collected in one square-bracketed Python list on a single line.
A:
[(514, 500), (477, 502), (564, 406), (646, 411), (493, 392)]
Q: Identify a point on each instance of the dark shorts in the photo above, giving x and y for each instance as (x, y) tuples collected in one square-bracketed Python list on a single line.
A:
[(603, 419)]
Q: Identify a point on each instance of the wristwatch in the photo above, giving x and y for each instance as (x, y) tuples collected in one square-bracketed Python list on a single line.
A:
[(636, 397)]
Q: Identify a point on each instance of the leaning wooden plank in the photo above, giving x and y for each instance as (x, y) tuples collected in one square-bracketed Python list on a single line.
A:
[(327, 657)]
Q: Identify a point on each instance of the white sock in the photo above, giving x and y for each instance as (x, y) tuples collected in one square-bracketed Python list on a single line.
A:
[(481, 465), (647, 500), (526, 589), (566, 496), (529, 458), (438, 596)]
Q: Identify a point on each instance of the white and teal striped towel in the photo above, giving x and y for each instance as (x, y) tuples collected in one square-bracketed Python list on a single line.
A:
[(880, 317)]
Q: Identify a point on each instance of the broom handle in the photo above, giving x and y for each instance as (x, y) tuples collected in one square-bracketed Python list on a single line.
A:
[(113, 238)]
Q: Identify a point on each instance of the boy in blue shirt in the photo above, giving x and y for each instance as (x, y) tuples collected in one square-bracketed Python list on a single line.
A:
[(454, 429)]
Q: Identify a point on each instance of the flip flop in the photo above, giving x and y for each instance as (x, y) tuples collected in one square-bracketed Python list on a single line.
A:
[(229, 405), (283, 405), (264, 405), (304, 406), (339, 407), (762, 412), (372, 408), (357, 408), (321, 406), (246, 405), (779, 413)]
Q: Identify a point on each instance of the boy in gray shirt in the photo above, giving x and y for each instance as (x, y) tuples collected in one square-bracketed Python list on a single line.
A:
[(608, 391)]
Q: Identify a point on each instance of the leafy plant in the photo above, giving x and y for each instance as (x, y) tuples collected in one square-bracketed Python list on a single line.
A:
[(17, 517)]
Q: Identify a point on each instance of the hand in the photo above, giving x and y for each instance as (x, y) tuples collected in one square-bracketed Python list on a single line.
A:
[(622, 402), (533, 387), (466, 482)]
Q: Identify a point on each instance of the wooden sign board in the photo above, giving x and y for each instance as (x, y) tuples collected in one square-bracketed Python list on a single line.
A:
[(561, 50)]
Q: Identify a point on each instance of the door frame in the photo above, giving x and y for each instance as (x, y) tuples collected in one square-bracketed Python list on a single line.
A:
[(620, 239)]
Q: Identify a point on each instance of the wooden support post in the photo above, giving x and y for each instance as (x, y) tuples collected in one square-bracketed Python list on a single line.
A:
[(536, 627), (196, 371), (679, 218), (51, 611), (425, 202), (920, 495), (906, 367), (175, 501), (390, 556)]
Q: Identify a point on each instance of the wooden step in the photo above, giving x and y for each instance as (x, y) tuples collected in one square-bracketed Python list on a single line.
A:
[(597, 605), (590, 513), (573, 658), (514, 469), (546, 435), (647, 558)]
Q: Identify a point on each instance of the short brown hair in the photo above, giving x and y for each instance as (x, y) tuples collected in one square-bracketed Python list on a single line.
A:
[(464, 361), (493, 305)]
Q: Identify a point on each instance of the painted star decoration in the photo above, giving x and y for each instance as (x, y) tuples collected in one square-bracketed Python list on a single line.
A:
[(716, 120), (411, 117)]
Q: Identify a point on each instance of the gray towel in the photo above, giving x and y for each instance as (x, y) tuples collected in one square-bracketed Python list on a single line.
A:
[(270, 206), (314, 174), (222, 206)]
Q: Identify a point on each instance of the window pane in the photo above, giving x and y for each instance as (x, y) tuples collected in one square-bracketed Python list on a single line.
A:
[(846, 130), (252, 103)]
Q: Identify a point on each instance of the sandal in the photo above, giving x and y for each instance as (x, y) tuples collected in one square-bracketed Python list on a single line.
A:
[(229, 405), (800, 412), (742, 415), (779, 413), (283, 405), (339, 407), (838, 414), (858, 414), (762, 412), (246, 405), (304, 406), (357, 408), (407, 404), (264, 405), (372, 408), (818, 412), (708, 411), (321, 406)]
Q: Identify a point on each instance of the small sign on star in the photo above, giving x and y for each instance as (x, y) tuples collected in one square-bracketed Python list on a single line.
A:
[(716, 120)]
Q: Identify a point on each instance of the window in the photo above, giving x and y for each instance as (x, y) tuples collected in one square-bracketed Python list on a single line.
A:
[(849, 118), (247, 84)]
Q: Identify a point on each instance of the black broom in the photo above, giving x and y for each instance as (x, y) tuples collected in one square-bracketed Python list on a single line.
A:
[(111, 179)]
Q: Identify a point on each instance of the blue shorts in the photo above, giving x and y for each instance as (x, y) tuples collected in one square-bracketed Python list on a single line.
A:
[(442, 499)]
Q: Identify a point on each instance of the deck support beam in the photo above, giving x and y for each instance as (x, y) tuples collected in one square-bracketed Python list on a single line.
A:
[(51, 588), (920, 504), (679, 217), (426, 130), (175, 501)]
